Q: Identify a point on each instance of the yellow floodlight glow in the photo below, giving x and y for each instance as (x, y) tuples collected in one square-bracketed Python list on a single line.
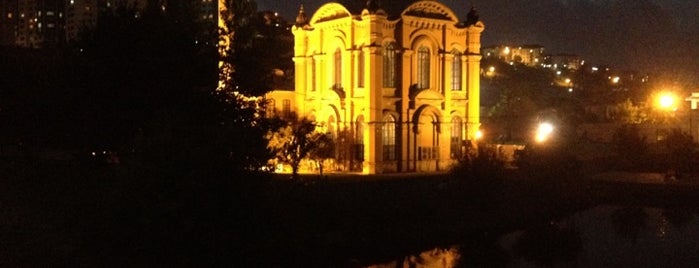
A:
[(543, 132), (667, 101), (478, 135)]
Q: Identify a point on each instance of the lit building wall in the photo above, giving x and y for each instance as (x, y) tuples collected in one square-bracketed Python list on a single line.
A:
[(398, 95), (530, 55), (566, 61)]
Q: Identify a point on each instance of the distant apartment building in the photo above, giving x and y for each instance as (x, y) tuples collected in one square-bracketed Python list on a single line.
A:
[(32, 23), (8, 25), (564, 61), (49, 23), (530, 55)]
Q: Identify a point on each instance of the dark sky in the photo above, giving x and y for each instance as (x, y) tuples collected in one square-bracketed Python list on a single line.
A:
[(656, 36)]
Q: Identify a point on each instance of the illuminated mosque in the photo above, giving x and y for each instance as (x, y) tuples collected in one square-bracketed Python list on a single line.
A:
[(397, 93)]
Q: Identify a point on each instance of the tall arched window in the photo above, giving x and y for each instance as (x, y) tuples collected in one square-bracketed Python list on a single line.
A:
[(457, 128), (360, 69), (456, 71), (423, 67), (337, 79), (389, 66), (388, 138)]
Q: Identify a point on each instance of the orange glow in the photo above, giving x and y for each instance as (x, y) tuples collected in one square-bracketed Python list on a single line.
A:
[(667, 101), (544, 132)]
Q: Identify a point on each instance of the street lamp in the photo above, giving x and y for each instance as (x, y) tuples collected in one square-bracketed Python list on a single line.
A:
[(666, 102), (543, 132)]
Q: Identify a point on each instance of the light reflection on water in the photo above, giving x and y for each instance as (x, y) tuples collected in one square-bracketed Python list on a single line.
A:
[(604, 236)]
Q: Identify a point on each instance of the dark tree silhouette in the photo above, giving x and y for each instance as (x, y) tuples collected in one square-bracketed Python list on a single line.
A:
[(261, 51), (630, 147)]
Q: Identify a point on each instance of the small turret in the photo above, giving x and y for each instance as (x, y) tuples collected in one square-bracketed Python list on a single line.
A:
[(301, 19), (472, 17), (372, 6)]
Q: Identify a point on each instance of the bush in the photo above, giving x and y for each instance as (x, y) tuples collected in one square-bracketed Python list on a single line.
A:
[(548, 161), (481, 174)]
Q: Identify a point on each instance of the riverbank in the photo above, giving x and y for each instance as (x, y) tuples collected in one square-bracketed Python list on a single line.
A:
[(124, 216)]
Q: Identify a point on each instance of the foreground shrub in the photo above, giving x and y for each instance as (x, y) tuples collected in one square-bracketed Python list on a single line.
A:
[(481, 173)]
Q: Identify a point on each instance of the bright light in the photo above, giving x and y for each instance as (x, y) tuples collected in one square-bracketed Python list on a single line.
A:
[(479, 135), (490, 72), (667, 101), (543, 132)]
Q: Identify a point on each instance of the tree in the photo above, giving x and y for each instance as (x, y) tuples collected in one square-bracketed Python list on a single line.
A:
[(628, 113), (293, 142), (256, 34), (140, 76), (324, 149), (629, 145), (682, 151), (141, 85)]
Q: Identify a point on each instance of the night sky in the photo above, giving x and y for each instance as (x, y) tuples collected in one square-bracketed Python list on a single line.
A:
[(656, 36)]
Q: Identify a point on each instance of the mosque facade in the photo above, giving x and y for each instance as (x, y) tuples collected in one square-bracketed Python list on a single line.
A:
[(397, 93)]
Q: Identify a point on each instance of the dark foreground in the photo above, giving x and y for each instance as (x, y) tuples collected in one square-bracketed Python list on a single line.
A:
[(66, 215)]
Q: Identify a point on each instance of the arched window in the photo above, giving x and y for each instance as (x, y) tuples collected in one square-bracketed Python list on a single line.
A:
[(360, 69), (456, 71), (423, 67), (388, 138), (337, 79), (389, 66), (457, 128)]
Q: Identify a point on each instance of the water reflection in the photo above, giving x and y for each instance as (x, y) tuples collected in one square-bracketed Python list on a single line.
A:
[(549, 244), (629, 221), (438, 257), (604, 236)]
